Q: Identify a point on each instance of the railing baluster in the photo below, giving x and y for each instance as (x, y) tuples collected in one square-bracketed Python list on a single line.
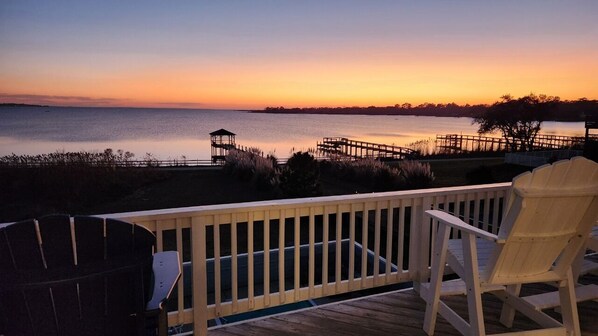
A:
[(377, 224), (312, 252), (297, 250), (495, 214), (159, 237), (325, 241), (457, 213), (217, 266), (180, 287), (337, 264), (351, 247), (389, 219), (281, 277), (234, 265), (486, 210), (476, 210), (267, 258), (467, 210), (364, 245), (401, 238), (250, 261)]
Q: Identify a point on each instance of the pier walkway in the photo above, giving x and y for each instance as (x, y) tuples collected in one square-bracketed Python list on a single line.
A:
[(361, 149)]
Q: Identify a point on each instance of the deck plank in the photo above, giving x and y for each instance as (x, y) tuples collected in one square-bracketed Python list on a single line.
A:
[(367, 326), (393, 313), (313, 324)]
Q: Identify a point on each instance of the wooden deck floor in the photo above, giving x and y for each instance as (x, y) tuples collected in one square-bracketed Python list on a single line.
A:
[(394, 313)]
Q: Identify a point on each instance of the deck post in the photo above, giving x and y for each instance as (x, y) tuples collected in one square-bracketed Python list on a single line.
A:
[(419, 243), (200, 285)]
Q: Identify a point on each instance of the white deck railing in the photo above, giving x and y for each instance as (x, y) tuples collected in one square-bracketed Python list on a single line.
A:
[(237, 265)]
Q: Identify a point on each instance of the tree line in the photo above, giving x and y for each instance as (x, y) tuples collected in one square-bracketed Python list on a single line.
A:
[(560, 110)]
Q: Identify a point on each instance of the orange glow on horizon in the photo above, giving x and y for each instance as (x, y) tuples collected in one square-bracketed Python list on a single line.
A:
[(379, 80)]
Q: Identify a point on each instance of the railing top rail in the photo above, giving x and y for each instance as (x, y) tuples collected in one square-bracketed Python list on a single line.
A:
[(300, 202)]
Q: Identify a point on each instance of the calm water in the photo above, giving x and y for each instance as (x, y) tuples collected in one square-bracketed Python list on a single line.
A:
[(172, 133)]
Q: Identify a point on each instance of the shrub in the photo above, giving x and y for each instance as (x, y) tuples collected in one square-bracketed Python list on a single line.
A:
[(251, 166), (368, 171), (239, 164), (416, 175), (264, 173), (301, 176)]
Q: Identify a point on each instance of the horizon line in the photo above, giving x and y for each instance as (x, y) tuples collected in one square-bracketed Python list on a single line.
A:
[(140, 106)]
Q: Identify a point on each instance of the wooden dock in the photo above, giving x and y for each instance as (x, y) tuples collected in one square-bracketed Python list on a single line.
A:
[(360, 149), (461, 143), (394, 313)]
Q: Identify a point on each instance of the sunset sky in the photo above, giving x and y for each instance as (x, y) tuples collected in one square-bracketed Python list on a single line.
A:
[(253, 54)]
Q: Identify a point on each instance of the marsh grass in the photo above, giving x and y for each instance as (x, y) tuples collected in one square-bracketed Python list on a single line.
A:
[(64, 182), (416, 175), (251, 166)]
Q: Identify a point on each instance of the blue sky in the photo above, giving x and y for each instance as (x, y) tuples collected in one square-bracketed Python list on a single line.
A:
[(258, 53)]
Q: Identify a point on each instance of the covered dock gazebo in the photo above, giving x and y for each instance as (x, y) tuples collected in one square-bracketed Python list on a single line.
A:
[(222, 141)]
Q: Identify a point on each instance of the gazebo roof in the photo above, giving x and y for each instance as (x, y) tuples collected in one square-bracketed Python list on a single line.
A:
[(222, 131)]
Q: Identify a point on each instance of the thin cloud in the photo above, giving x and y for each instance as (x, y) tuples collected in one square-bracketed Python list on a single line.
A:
[(178, 104), (60, 100), (84, 101)]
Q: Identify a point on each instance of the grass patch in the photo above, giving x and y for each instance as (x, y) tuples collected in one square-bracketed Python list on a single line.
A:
[(29, 193), (459, 172)]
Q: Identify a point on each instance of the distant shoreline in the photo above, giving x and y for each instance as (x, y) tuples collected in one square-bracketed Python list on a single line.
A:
[(566, 111), (21, 105), (365, 111)]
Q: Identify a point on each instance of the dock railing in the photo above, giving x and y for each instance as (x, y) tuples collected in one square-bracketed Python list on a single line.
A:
[(391, 225)]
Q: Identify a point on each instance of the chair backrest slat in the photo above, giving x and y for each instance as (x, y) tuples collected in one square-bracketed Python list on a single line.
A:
[(119, 239), (127, 287), (22, 246), (538, 227), (91, 246), (57, 242)]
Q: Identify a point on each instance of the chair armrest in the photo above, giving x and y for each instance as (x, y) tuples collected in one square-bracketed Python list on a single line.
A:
[(167, 271), (458, 224)]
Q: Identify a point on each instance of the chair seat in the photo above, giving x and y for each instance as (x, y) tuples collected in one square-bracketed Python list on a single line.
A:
[(455, 253)]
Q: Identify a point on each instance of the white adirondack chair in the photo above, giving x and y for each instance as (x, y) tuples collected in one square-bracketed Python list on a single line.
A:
[(547, 218)]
